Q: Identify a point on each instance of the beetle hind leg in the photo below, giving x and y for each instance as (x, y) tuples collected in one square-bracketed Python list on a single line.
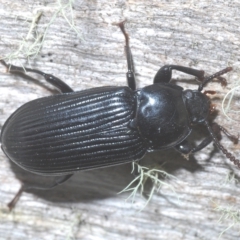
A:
[(25, 187), (56, 82)]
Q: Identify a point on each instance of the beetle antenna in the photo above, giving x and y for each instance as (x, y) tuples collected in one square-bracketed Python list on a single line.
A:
[(215, 75), (220, 146)]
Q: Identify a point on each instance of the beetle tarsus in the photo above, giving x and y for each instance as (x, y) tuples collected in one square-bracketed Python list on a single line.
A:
[(5, 65), (12, 204)]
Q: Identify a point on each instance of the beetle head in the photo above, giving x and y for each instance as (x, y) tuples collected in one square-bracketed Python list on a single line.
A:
[(197, 105)]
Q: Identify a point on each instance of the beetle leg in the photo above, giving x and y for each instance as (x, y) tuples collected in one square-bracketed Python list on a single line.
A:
[(202, 145), (217, 130), (56, 82), (185, 148), (164, 74), (130, 73), (58, 181), (25, 187)]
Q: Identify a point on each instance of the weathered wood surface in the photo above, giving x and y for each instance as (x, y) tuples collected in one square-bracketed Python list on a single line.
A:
[(201, 34)]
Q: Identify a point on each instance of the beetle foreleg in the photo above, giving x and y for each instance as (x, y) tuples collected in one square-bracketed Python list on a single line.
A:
[(185, 148)]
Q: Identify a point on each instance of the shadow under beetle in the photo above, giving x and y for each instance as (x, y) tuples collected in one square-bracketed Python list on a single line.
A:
[(61, 134)]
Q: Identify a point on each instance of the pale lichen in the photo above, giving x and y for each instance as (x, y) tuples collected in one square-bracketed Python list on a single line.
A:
[(157, 176)]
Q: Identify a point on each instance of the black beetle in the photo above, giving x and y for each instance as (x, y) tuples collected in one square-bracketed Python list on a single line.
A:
[(61, 134)]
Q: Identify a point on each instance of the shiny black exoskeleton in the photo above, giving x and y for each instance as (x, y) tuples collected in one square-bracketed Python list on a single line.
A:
[(72, 131)]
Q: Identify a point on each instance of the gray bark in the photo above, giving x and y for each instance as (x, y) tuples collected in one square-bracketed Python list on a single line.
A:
[(200, 34)]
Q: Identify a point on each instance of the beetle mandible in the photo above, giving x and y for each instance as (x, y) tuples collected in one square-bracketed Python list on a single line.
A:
[(72, 131)]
